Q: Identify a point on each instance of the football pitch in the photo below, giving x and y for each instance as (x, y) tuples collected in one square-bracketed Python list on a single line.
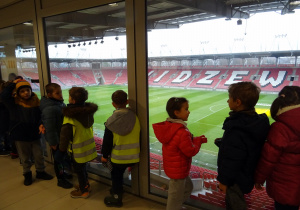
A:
[(208, 111)]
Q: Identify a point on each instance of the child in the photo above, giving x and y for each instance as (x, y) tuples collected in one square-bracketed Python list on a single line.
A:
[(121, 142), (279, 164), (77, 137), (178, 147), (25, 119), (52, 118), (244, 135), (4, 126)]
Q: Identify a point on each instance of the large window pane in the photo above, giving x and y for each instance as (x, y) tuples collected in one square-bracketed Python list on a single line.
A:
[(88, 48), (18, 54), (197, 55)]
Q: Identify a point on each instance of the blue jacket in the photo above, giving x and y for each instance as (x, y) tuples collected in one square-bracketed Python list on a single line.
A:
[(52, 119), (245, 133)]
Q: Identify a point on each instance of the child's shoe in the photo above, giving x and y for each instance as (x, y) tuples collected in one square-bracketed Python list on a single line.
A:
[(88, 187), (79, 194), (14, 155), (28, 178), (113, 201), (68, 175), (64, 183), (43, 175)]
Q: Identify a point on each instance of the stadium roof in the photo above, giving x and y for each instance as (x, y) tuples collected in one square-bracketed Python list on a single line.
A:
[(96, 23)]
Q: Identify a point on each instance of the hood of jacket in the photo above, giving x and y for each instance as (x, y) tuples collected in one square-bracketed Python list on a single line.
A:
[(290, 117), (82, 113), (252, 123), (47, 102), (122, 121), (165, 131)]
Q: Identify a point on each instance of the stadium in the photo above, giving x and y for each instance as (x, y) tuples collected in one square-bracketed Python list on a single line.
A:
[(183, 60)]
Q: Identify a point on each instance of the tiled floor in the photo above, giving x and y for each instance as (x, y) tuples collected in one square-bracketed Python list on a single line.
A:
[(46, 195)]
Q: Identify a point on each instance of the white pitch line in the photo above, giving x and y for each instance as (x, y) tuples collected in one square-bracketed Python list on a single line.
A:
[(209, 114)]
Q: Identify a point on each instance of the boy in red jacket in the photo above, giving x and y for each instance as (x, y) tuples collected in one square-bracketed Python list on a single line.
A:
[(179, 146)]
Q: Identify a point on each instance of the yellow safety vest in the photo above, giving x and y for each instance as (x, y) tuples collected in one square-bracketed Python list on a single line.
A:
[(83, 146), (126, 149)]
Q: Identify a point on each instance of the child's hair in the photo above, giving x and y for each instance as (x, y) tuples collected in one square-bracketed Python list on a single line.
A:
[(119, 97), (51, 87), (12, 77), (288, 96), (79, 94), (247, 92), (173, 104)]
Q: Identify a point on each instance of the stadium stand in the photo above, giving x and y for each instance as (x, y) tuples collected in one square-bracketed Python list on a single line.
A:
[(67, 78), (268, 79), (236, 75), (271, 79), (121, 78), (86, 75), (110, 75), (183, 78)]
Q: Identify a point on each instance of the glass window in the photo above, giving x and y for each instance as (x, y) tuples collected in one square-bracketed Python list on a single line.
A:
[(88, 48), (198, 59), (18, 54)]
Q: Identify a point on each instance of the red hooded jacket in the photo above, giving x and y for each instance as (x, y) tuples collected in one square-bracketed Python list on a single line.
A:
[(279, 164), (178, 147)]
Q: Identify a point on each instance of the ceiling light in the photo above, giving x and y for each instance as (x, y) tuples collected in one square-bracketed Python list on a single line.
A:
[(28, 23), (113, 4), (84, 44), (69, 45), (74, 45), (78, 44), (239, 22), (96, 42), (90, 43), (102, 41), (294, 2), (117, 38)]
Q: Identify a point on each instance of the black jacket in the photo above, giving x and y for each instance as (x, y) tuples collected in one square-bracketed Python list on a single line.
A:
[(244, 135), (24, 119)]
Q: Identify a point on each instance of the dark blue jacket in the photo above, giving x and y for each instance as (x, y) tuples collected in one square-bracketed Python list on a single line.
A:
[(245, 133), (52, 119)]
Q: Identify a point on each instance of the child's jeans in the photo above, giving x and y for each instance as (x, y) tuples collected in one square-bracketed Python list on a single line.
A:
[(81, 172), (28, 149), (179, 191), (58, 165), (279, 206), (234, 198), (117, 177)]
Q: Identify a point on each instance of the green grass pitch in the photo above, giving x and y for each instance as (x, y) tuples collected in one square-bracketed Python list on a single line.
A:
[(208, 111)]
